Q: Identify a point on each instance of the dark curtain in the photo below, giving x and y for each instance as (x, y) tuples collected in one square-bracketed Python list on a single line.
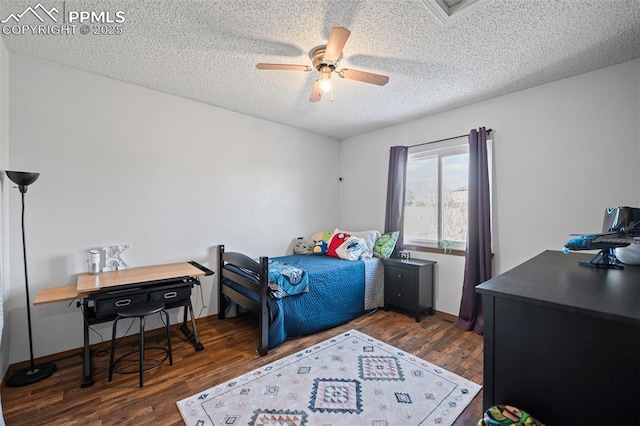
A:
[(477, 267), (394, 214)]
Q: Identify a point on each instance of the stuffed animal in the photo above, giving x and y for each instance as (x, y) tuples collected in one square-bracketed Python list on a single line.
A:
[(322, 235), (505, 415), (336, 241), (320, 248), (304, 246)]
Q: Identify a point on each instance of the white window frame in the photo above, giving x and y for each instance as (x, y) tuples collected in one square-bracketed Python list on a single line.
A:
[(448, 148), (454, 147)]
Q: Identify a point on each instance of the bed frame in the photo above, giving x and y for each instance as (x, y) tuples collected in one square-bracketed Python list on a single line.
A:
[(261, 270)]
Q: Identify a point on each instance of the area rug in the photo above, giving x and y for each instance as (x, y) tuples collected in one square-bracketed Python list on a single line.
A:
[(351, 379)]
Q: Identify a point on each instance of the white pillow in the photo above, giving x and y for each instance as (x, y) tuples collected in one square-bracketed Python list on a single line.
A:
[(369, 237)]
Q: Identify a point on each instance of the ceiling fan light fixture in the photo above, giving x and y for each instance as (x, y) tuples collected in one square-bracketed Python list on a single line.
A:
[(325, 82)]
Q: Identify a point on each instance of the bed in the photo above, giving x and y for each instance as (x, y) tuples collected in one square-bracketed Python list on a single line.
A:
[(335, 291)]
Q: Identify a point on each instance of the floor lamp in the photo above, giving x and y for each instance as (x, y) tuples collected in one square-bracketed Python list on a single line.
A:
[(33, 373)]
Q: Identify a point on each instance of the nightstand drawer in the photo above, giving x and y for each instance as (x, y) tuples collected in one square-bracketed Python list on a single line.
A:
[(403, 297), (401, 276)]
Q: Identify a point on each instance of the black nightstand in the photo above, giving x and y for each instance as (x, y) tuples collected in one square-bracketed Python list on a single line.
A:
[(408, 284)]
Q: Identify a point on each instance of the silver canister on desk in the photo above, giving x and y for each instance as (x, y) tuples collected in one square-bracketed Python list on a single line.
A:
[(94, 262)]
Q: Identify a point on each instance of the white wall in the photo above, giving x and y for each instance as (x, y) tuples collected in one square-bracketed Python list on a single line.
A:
[(172, 178), (562, 152), (4, 209)]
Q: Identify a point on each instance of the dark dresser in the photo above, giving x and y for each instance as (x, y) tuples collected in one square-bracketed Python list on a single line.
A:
[(562, 341)]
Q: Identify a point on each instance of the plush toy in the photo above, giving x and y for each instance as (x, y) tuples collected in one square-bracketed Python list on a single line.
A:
[(320, 248), (322, 235), (336, 241), (304, 246), (507, 415)]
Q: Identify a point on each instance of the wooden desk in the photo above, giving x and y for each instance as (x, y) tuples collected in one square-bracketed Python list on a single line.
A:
[(100, 294), (56, 294), (562, 341), (88, 283)]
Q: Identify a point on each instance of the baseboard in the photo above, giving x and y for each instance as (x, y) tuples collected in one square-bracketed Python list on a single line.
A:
[(46, 358), (446, 316)]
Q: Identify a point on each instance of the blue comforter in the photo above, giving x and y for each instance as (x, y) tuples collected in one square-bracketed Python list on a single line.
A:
[(335, 296)]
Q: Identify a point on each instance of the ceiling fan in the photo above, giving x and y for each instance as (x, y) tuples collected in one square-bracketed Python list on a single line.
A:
[(325, 59)]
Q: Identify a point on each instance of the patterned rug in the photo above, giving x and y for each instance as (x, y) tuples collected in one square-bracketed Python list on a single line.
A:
[(351, 379)]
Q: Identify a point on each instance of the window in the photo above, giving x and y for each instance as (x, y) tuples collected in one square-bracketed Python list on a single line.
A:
[(436, 197)]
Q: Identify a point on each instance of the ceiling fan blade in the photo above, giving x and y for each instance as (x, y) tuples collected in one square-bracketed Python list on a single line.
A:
[(284, 67), (337, 39), (366, 77), (316, 93)]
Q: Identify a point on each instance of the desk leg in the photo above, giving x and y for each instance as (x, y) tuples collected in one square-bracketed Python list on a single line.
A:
[(86, 355), (191, 335)]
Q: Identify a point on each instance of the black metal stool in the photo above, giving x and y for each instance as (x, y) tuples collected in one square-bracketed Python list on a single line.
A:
[(140, 311)]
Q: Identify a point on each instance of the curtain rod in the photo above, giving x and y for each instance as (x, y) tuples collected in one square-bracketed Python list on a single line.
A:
[(445, 139)]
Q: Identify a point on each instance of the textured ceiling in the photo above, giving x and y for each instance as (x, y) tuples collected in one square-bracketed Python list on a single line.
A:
[(207, 50)]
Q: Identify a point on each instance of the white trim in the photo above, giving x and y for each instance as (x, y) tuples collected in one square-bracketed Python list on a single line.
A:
[(419, 242)]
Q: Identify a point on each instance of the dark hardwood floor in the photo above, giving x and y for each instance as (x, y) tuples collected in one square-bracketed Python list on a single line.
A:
[(229, 351)]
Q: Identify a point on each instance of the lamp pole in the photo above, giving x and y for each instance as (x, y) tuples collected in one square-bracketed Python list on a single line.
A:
[(34, 373), (26, 283)]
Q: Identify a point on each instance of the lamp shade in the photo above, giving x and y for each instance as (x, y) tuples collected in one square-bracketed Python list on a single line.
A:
[(22, 179)]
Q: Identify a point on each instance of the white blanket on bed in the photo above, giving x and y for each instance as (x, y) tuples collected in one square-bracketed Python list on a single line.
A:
[(373, 283)]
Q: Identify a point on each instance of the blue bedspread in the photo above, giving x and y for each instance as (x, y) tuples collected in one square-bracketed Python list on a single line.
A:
[(335, 296)]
